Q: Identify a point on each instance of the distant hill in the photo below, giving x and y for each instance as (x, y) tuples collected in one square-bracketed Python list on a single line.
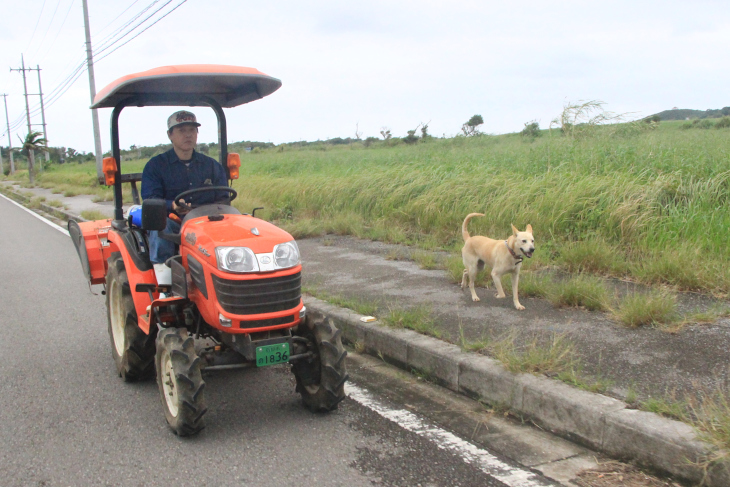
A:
[(688, 114)]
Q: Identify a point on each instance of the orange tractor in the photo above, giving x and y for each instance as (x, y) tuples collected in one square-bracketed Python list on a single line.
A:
[(234, 299)]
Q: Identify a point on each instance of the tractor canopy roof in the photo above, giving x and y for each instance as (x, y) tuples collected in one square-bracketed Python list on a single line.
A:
[(188, 85)]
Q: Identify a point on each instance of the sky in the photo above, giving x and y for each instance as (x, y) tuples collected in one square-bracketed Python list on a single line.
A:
[(350, 67)]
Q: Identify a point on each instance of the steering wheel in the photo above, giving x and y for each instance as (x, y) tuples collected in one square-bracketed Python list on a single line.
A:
[(180, 199)]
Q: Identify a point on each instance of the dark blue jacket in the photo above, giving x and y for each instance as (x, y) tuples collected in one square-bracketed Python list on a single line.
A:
[(165, 177)]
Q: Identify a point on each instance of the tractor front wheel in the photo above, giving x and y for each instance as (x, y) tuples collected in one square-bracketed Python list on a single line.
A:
[(132, 349), (321, 380), (180, 382)]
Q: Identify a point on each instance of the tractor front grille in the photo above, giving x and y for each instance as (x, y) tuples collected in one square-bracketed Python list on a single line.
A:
[(255, 296), (270, 322)]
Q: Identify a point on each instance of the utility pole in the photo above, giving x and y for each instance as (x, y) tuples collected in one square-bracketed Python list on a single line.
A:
[(31, 154), (10, 138), (92, 93), (43, 115)]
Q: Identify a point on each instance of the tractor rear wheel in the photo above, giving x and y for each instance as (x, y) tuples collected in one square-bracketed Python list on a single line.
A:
[(180, 382), (321, 380), (132, 349)]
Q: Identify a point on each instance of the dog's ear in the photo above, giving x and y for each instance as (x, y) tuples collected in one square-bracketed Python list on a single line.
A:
[(514, 230), (529, 228)]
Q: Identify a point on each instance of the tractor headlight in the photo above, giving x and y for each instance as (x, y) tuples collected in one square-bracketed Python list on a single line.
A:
[(286, 255), (236, 259)]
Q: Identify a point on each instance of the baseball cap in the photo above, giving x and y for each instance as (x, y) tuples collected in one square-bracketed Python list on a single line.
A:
[(181, 117)]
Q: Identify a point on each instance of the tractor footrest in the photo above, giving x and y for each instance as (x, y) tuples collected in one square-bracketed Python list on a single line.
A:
[(159, 288)]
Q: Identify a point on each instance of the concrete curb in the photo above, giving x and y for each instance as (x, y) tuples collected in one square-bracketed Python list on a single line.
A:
[(51, 210), (596, 421)]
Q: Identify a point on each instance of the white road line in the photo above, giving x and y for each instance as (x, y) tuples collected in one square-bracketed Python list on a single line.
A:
[(44, 220), (485, 461)]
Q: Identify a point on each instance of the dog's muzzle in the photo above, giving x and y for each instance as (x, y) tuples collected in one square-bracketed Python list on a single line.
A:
[(527, 253)]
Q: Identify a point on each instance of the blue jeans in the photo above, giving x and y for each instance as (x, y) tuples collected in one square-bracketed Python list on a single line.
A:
[(160, 249)]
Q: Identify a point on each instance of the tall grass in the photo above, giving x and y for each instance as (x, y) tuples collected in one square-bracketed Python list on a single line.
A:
[(652, 201)]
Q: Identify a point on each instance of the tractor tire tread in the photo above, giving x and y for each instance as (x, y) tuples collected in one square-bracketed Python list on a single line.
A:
[(321, 382), (185, 363), (136, 361)]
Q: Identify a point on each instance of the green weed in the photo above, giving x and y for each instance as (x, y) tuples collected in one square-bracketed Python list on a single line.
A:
[(417, 319), (667, 407), (425, 260), (93, 215), (653, 309), (553, 356), (574, 377), (55, 203), (359, 306), (581, 291)]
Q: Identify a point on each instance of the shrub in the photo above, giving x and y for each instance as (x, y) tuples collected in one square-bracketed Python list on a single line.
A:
[(411, 138), (470, 128), (724, 122), (702, 123), (370, 141), (532, 129)]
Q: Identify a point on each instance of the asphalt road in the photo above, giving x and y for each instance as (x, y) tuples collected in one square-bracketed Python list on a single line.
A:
[(67, 419)]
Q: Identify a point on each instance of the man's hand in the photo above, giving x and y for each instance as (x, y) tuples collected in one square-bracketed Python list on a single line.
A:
[(179, 209)]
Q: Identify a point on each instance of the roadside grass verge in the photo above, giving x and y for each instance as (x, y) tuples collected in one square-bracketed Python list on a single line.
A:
[(56, 203), (707, 411), (531, 355), (581, 291), (418, 319), (574, 376), (360, 306), (93, 215), (35, 202), (656, 308), (710, 414), (426, 260)]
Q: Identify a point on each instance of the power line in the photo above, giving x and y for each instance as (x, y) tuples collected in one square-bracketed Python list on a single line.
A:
[(126, 24), (59, 29), (36, 24), (115, 18), (71, 79), (145, 29), (47, 28), (103, 47)]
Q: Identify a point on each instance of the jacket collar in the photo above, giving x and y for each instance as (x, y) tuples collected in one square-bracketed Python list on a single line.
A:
[(172, 156)]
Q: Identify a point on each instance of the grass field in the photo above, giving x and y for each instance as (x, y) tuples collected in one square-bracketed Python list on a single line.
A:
[(648, 205)]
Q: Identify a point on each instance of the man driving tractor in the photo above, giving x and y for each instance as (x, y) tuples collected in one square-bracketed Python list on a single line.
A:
[(180, 169)]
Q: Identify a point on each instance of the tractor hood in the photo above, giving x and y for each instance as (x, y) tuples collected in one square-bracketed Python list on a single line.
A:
[(202, 235)]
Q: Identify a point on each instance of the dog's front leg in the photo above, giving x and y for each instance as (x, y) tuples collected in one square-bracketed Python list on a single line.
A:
[(515, 284), (498, 283)]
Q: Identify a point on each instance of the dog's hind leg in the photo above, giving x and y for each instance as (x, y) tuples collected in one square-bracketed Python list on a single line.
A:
[(472, 273), (463, 278)]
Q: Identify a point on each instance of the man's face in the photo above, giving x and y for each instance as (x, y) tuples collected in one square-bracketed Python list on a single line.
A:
[(184, 137)]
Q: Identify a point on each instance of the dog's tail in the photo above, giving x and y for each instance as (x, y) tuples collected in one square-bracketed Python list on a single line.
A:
[(464, 231)]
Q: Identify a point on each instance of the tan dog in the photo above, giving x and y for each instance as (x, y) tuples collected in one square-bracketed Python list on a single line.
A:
[(502, 256)]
